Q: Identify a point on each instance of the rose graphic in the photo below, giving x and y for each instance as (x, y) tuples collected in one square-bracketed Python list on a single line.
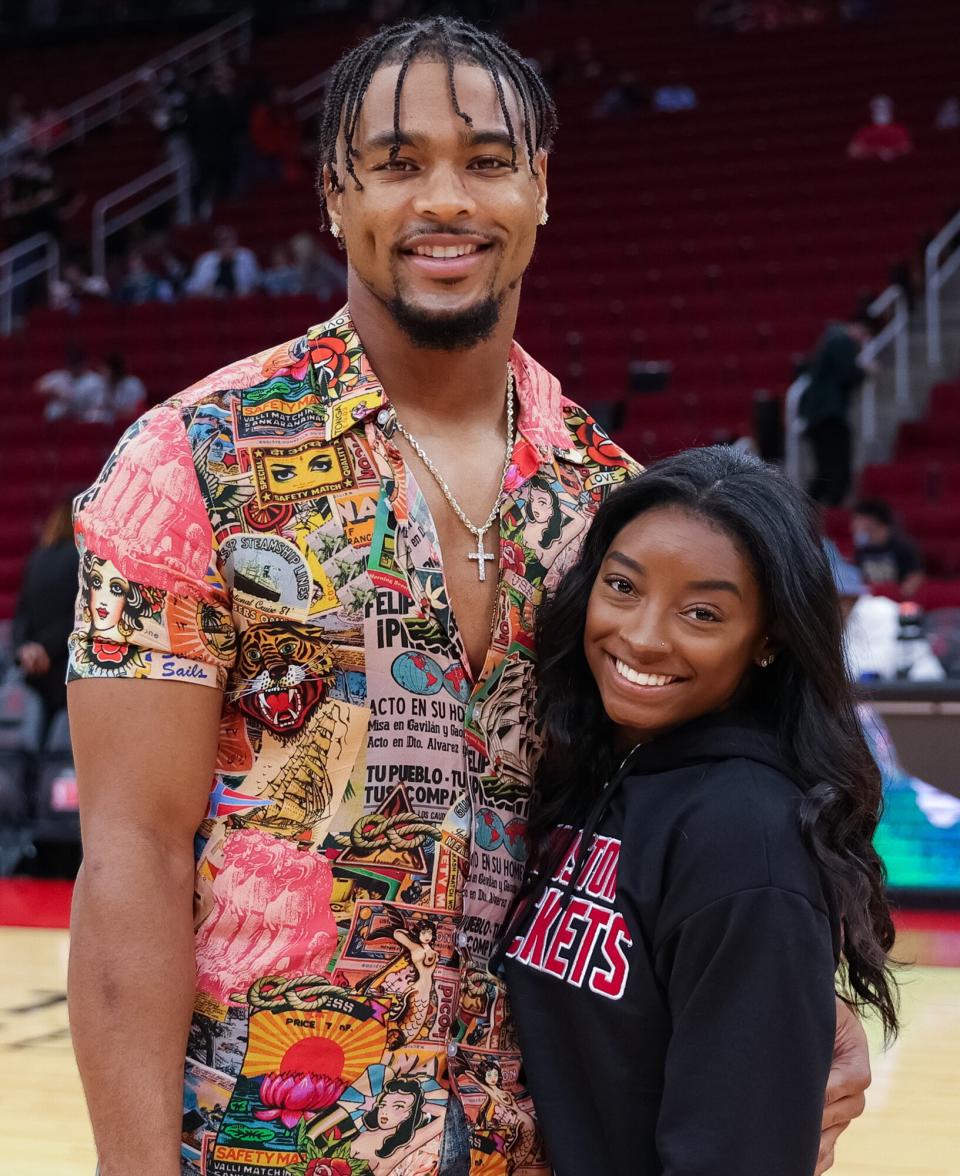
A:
[(511, 556), (291, 1096), (108, 652), (599, 447), (330, 353), (328, 1168)]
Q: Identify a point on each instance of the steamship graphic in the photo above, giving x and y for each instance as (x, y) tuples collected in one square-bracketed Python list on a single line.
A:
[(256, 580)]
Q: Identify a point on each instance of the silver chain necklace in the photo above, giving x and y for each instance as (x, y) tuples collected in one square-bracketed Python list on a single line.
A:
[(481, 555)]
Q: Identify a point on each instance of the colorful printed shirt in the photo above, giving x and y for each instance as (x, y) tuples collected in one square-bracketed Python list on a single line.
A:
[(260, 533)]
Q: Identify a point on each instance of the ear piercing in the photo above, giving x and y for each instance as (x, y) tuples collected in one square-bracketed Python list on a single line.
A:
[(335, 229)]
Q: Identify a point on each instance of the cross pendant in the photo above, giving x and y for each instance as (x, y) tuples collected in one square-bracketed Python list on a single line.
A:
[(481, 555)]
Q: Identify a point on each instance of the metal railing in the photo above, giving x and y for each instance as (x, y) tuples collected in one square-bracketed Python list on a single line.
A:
[(895, 334), (168, 181), (12, 275), (307, 98), (938, 273), (232, 36)]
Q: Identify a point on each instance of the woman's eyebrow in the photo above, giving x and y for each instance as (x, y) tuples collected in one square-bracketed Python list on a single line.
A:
[(627, 561), (715, 586)]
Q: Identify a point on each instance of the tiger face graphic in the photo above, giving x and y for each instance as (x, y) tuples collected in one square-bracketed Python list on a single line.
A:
[(284, 669)]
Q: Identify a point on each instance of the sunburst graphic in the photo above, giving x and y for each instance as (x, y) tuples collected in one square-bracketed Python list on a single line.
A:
[(334, 1044)]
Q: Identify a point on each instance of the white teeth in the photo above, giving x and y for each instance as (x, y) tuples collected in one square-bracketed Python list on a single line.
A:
[(633, 675), (445, 250)]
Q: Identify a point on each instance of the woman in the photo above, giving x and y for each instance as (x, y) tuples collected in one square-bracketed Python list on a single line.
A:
[(672, 961), (44, 613)]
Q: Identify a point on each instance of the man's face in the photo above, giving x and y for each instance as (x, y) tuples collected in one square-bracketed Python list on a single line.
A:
[(868, 531), (443, 233)]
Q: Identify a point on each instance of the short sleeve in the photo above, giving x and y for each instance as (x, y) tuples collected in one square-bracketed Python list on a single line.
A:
[(152, 602)]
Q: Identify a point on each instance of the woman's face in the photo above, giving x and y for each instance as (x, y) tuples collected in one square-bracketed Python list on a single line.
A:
[(674, 622), (107, 595), (393, 1110), (541, 505)]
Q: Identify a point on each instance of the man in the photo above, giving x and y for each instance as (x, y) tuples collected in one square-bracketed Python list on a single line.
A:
[(836, 371), (227, 270), (76, 391), (323, 541), (882, 554)]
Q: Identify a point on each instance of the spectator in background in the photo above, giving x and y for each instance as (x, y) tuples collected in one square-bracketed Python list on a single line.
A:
[(74, 286), (47, 130), (882, 138), (32, 200), (164, 261), (74, 392), (277, 137), (140, 284), (126, 394), (948, 116), (168, 111), (16, 127), (217, 127), (228, 270), (883, 555), (626, 96), (871, 630), (282, 277), (318, 273), (836, 370), (675, 96), (44, 613)]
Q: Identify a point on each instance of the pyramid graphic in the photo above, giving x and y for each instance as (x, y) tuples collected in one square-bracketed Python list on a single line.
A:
[(412, 861)]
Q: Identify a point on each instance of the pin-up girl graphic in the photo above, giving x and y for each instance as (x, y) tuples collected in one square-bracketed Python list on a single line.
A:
[(114, 608), (550, 525), (397, 1126)]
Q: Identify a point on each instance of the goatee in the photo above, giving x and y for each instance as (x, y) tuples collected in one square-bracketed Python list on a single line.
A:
[(446, 332)]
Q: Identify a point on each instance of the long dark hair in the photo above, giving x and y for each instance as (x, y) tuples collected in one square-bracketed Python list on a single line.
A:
[(805, 696)]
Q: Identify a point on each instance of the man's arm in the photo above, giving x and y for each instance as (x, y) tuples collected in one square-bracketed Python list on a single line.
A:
[(145, 754), (847, 1084)]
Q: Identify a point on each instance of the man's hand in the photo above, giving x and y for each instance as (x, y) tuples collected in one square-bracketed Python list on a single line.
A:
[(33, 658), (847, 1084)]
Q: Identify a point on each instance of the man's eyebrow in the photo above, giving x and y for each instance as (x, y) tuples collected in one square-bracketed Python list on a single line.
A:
[(715, 586), (384, 139), (471, 137)]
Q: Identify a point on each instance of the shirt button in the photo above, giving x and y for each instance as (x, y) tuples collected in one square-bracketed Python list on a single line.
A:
[(461, 939), (452, 1049)]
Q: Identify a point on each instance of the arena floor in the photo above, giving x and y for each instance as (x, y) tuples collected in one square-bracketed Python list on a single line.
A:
[(911, 1127)]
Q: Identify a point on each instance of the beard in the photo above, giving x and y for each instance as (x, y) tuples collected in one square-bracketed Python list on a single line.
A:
[(446, 332)]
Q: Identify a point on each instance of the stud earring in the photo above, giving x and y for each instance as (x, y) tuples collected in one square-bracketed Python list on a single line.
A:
[(334, 229), (766, 661), (544, 217)]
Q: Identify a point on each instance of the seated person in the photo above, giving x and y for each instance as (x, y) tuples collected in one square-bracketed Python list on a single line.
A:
[(882, 554), (882, 138)]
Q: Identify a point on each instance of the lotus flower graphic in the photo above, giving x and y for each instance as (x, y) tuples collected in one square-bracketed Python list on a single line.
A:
[(291, 1097)]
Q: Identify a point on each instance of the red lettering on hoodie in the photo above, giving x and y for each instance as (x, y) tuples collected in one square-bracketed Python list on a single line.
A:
[(612, 981)]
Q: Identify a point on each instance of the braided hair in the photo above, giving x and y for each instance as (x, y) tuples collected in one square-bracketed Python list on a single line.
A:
[(447, 41)]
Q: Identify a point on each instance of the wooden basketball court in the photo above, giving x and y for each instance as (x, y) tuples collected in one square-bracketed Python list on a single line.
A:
[(911, 1128)]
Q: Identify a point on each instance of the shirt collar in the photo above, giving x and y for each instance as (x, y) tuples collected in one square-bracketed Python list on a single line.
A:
[(348, 390)]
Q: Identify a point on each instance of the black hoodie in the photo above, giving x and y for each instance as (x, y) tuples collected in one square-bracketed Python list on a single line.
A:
[(675, 1001)]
